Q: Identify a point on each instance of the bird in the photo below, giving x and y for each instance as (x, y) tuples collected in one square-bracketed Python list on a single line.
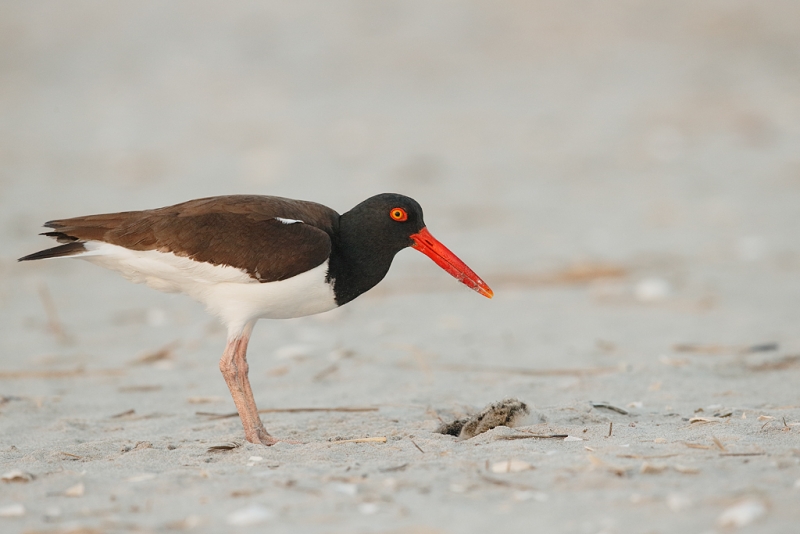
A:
[(247, 257)]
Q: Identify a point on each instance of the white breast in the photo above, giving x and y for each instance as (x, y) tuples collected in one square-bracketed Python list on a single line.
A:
[(227, 292)]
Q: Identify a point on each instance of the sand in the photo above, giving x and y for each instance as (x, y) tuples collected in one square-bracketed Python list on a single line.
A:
[(624, 176)]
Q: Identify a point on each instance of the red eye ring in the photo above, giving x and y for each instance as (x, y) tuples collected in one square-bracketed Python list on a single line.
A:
[(398, 214)]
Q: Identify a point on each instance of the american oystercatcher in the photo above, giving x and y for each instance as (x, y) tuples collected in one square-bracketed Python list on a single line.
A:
[(246, 257)]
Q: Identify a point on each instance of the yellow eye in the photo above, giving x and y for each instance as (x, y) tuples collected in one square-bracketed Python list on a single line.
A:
[(398, 214)]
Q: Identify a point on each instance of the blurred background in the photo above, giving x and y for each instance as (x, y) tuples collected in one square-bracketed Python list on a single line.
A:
[(535, 131), (648, 149)]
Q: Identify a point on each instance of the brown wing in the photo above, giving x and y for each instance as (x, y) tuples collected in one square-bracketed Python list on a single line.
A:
[(241, 231)]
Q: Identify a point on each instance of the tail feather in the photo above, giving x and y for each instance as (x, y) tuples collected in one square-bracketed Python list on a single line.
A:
[(61, 237), (70, 249)]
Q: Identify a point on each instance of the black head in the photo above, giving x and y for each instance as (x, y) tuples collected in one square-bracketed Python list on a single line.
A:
[(386, 222), (373, 232), (369, 236)]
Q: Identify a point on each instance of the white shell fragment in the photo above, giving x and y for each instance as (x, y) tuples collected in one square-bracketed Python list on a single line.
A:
[(75, 491), (254, 514), (742, 514), (345, 488), (511, 466), (142, 477)]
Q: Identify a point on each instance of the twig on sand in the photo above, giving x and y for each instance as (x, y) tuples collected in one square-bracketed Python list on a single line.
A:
[(607, 406), (377, 439), (417, 446), (164, 353), (212, 415), (532, 436), (714, 348), (610, 428)]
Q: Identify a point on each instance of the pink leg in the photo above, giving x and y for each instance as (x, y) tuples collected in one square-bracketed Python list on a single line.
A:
[(233, 365)]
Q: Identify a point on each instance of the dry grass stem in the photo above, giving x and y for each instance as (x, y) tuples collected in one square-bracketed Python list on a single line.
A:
[(608, 406), (697, 445), (532, 436), (713, 349), (379, 439), (143, 388), (164, 353)]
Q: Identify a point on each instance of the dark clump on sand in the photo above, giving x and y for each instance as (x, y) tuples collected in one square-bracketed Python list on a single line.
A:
[(507, 412)]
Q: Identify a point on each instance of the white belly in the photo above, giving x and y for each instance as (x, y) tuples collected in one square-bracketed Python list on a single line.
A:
[(227, 292)]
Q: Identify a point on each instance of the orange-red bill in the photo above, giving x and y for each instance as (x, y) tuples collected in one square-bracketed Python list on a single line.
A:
[(428, 245)]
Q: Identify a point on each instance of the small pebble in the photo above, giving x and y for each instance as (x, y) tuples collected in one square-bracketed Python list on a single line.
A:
[(742, 514)]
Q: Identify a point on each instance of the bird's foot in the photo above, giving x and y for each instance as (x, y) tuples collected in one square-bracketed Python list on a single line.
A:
[(268, 440), (258, 434)]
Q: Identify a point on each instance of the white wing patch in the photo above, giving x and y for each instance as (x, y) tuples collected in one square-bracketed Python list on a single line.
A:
[(287, 221)]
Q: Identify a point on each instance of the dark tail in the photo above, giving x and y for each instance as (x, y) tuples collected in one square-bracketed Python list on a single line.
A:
[(70, 249)]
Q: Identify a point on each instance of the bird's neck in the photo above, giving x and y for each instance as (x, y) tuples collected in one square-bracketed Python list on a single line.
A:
[(359, 260)]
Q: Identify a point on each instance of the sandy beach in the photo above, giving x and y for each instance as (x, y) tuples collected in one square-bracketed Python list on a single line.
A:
[(625, 176)]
